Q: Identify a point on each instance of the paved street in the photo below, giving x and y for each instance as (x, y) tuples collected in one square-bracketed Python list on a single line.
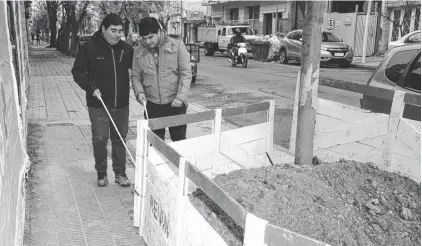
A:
[(218, 84)]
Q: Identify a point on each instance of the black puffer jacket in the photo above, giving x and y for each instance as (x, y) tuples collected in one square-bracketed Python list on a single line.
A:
[(99, 65)]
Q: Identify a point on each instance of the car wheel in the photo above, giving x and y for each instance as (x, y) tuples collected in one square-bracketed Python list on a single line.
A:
[(193, 79), (345, 64), (283, 57)]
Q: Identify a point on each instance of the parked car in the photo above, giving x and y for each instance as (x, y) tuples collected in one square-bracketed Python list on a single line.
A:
[(82, 38), (333, 50), (399, 70), (410, 38)]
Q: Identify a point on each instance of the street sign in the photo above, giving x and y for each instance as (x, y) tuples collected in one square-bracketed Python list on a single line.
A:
[(331, 23)]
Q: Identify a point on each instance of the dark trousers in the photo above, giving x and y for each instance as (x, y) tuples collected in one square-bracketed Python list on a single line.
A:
[(102, 128), (163, 110)]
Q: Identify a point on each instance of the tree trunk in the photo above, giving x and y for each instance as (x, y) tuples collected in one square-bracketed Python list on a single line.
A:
[(64, 40), (309, 78), (74, 31), (52, 14)]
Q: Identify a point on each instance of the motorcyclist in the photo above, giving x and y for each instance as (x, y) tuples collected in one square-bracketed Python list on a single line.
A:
[(237, 38)]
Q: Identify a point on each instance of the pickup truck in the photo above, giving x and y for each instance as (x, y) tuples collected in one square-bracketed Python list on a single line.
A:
[(217, 38)]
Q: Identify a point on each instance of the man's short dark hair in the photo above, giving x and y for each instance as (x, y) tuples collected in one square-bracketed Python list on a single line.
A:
[(111, 19), (148, 25)]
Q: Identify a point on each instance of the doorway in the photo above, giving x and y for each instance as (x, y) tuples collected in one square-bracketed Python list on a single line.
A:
[(268, 23)]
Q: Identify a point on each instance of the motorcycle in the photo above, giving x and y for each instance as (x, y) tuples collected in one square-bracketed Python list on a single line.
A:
[(241, 57)]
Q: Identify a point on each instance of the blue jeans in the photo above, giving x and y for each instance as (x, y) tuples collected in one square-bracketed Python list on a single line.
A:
[(102, 129)]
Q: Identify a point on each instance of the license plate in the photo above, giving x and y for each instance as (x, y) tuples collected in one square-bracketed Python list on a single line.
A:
[(338, 54)]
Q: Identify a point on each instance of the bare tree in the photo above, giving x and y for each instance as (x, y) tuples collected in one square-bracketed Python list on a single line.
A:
[(52, 7), (402, 24)]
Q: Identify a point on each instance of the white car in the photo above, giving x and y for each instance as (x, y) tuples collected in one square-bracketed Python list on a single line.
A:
[(410, 38)]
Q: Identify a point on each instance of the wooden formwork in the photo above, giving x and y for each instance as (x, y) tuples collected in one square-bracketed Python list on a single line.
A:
[(389, 141), (167, 173)]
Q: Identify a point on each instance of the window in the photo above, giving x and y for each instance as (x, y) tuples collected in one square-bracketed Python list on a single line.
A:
[(223, 32), (413, 78), (253, 12), (329, 37), (294, 35), (234, 14), (243, 30), (397, 64), (396, 27), (414, 38)]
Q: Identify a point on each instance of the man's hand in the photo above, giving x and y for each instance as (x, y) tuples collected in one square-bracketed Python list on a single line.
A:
[(97, 94), (177, 103), (141, 99)]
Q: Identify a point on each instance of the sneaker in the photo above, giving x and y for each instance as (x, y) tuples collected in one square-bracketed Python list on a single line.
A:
[(122, 180), (102, 179)]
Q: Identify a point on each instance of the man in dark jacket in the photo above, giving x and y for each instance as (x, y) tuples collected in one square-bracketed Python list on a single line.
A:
[(101, 69), (161, 75)]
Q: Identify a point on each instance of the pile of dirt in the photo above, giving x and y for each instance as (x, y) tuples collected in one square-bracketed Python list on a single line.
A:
[(345, 203)]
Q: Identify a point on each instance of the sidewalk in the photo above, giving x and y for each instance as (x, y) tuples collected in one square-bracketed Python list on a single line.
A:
[(371, 62), (64, 204)]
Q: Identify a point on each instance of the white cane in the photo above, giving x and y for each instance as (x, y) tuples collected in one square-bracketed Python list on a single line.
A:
[(117, 130), (145, 109)]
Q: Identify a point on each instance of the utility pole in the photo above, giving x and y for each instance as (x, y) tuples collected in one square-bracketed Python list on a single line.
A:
[(365, 37), (309, 80), (181, 20), (276, 12)]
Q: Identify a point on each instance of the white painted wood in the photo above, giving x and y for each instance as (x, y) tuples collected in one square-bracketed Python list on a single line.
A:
[(416, 125), (142, 170), (196, 230), (359, 152), (138, 174), (342, 111), (181, 200), (216, 129), (239, 155), (254, 231), (407, 135), (350, 133), (270, 131), (247, 134), (326, 123), (293, 131), (256, 147), (198, 146), (393, 124), (406, 166)]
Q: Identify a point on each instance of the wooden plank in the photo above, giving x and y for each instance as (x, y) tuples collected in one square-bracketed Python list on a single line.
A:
[(276, 236), (197, 146), (409, 137), (247, 134), (256, 147), (141, 154), (378, 92), (413, 99), (196, 230), (326, 123), (399, 148), (293, 131), (239, 155), (359, 152), (183, 119), (270, 130), (407, 167), (161, 203), (342, 111), (350, 133), (414, 124), (396, 113), (218, 195), (181, 200), (171, 154), (247, 109), (254, 230)]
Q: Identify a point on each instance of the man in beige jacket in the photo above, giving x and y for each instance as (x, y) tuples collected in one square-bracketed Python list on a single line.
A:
[(161, 75)]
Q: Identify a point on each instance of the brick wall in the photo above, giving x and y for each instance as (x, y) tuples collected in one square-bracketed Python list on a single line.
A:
[(13, 158)]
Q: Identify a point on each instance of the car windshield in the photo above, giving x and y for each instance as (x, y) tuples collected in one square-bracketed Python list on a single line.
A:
[(329, 37), (243, 30)]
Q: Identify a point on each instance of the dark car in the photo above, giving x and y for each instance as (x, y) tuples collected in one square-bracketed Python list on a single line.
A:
[(399, 70), (333, 50)]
